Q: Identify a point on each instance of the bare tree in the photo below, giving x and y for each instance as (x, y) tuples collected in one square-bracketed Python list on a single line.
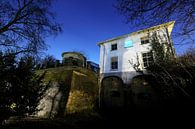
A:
[(152, 12), (135, 64), (24, 24), (48, 61)]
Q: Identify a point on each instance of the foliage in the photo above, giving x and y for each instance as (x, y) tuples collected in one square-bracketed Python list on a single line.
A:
[(20, 88), (24, 24), (175, 77), (152, 12), (162, 50), (48, 61)]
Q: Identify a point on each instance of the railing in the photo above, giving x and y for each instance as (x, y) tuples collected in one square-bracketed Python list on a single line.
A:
[(61, 63)]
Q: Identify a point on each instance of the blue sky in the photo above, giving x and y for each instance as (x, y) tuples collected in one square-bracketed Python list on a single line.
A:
[(84, 23)]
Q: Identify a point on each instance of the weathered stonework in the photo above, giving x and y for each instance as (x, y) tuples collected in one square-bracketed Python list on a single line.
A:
[(49, 105), (74, 93)]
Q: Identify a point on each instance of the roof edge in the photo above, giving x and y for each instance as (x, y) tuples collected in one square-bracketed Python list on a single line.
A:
[(169, 24)]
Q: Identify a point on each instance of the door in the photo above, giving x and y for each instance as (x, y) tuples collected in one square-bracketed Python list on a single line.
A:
[(112, 92)]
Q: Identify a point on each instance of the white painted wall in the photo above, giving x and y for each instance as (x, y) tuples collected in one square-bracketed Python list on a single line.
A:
[(125, 54), (125, 70)]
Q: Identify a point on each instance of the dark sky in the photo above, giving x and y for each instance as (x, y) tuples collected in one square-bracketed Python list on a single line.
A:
[(84, 23)]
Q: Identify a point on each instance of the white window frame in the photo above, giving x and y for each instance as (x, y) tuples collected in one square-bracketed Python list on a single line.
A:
[(147, 58)]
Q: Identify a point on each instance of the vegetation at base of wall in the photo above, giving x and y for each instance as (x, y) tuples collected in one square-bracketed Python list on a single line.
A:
[(175, 78), (172, 78), (25, 90)]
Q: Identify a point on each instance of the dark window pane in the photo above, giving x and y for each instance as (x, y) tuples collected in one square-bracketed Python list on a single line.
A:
[(145, 64), (144, 40), (150, 63), (144, 54), (147, 41), (114, 47), (147, 59), (150, 59), (114, 63)]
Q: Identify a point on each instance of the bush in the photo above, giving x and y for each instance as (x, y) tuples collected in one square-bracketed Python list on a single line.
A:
[(175, 78), (20, 88)]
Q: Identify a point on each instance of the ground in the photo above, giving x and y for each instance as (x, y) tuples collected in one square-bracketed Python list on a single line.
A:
[(110, 120), (81, 113)]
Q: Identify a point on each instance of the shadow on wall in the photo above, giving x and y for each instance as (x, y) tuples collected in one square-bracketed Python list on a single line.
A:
[(140, 94), (143, 94), (54, 100), (70, 91), (112, 92), (83, 95)]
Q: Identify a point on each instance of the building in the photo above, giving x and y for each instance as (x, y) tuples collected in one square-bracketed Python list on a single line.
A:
[(93, 66), (118, 56), (78, 59), (73, 59), (125, 57)]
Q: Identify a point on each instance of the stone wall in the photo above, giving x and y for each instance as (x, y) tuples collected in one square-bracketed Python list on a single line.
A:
[(83, 93), (69, 91)]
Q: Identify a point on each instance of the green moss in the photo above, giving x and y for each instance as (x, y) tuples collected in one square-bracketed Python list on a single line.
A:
[(55, 74)]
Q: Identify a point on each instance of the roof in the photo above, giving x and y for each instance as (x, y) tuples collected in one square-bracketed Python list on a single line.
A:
[(168, 24), (77, 53), (93, 63)]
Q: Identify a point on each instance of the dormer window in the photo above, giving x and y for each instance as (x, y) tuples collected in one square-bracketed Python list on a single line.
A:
[(113, 47), (144, 40)]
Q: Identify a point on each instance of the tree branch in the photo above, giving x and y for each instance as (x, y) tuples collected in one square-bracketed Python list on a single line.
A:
[(16, 18)]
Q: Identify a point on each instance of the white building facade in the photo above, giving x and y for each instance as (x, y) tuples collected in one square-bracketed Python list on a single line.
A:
[(121, 56)]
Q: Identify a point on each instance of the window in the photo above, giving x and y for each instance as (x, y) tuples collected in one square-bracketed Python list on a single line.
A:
[(144, 40), (147, 59), (128, 43), (114, 63), (113, 47)]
